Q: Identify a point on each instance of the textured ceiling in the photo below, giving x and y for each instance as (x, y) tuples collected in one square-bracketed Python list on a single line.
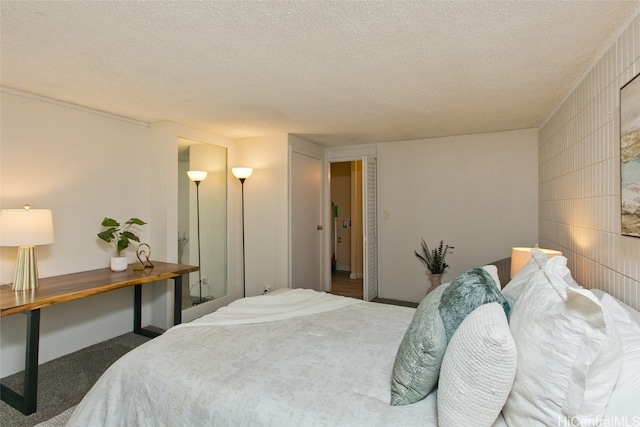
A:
[(336, 72)]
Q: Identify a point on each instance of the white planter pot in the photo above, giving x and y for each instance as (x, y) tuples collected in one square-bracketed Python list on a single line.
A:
[(119, 263)]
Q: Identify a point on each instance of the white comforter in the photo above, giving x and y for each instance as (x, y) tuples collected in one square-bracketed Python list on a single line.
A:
[(257, 363)]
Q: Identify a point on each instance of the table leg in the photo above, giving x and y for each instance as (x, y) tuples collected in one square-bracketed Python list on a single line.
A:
[(177, 300), (137, 308), (28, 401), (137, 315)]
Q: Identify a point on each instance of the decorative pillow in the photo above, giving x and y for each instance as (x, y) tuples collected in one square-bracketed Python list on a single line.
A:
[(493, 271), (623, 403), (569, 353), (467, 292), (417, 364), (478, 369)]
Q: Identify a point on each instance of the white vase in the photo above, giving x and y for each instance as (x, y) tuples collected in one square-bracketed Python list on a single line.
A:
[(119, 263)]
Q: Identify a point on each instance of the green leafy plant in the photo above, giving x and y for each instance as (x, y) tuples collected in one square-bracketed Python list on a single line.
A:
[(434, 259), (119, 233)]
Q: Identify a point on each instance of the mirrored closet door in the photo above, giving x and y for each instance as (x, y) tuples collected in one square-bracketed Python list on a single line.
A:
[(202, 221)]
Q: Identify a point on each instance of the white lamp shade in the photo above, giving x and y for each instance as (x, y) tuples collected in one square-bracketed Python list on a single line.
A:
[(242, 173), (197, 176), (520, 256), (26, 227)]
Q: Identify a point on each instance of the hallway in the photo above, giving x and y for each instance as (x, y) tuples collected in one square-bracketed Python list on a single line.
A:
[(342, 285)]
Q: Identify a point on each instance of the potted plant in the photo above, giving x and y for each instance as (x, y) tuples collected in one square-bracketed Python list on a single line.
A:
[(122, 237), (434, 261)]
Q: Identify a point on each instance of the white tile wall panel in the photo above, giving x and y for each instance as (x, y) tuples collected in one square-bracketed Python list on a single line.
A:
[(579, 176)]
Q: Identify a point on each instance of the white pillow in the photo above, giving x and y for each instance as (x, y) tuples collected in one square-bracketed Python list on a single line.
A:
[(493, 272), (478, 369), (518, 282), (569, 353), (624, 403), (635, 315)]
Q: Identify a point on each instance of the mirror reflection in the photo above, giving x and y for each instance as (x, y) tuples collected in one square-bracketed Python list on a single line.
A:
[(202, 220)]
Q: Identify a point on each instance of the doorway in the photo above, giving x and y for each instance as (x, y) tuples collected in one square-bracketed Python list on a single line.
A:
[(347, 229)]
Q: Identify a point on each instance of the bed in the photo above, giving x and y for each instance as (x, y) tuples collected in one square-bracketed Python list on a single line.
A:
[(304, 358)]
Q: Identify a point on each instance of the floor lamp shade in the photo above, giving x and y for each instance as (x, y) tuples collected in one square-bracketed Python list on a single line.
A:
[(242, 173), (197, 176), (520, 256), (26, 228)]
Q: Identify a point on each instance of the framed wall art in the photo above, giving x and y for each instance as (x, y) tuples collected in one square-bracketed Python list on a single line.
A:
[(630, 157)]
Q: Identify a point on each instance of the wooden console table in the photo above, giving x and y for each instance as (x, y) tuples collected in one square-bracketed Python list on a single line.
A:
[(69, 287)]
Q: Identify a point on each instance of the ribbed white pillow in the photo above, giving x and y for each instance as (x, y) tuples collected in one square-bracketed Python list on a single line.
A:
[(478, 369)]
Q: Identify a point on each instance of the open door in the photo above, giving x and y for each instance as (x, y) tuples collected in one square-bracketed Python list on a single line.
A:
[(370, 227)]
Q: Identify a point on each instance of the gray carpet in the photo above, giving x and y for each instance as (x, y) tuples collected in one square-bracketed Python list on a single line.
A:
[(59, 420), (63, 382)]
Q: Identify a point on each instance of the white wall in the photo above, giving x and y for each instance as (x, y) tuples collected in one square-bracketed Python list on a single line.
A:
[(475, 192), (83, 166), (580, 176)]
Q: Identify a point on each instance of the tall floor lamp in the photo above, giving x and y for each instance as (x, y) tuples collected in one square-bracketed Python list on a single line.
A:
[(198, 177), (242, 174)]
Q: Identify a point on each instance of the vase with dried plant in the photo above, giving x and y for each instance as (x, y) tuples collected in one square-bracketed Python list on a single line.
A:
[(434, 260)]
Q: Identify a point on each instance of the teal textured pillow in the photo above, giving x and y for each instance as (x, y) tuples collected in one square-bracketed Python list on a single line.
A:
[(417, 365), (467, 292)]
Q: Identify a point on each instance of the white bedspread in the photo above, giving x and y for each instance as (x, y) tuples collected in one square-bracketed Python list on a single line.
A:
[(274, 307), (328, 368)]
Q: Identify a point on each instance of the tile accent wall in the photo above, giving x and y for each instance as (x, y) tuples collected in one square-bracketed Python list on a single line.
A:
[(579, 176)]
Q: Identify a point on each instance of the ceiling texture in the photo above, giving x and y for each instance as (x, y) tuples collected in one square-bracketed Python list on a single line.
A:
[(333, 72)]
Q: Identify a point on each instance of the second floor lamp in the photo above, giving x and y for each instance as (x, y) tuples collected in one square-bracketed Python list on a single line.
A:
[(242, 174)]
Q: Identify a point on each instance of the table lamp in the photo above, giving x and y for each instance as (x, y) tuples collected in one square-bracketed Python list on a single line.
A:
[(520, 256), (26, 228)]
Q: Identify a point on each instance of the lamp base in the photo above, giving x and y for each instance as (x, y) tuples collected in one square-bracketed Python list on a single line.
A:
[(26, 274)]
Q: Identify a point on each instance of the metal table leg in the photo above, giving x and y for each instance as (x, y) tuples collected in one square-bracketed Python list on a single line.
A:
[(28, 401), (177, 300), (137, 315), (137, 309)]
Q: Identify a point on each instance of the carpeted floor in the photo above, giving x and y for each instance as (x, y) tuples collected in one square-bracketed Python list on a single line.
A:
[(63, 382)]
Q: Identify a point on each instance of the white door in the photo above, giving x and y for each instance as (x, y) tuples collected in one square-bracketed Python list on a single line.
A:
[(306, 222), (370, 228)]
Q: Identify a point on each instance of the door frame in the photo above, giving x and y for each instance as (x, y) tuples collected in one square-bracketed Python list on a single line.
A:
[(335, 155)]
